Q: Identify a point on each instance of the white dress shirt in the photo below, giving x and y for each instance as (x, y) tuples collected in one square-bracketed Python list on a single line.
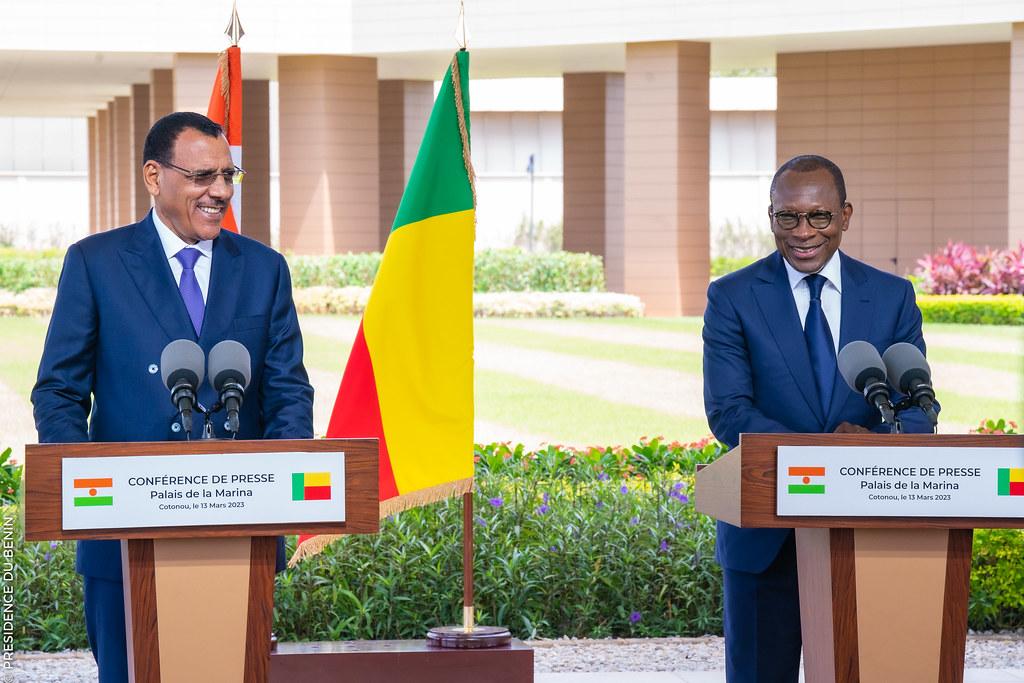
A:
[(173, 244), (831, 294)]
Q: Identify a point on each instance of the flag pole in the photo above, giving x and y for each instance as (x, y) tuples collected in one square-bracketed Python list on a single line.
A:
[(467, 561)]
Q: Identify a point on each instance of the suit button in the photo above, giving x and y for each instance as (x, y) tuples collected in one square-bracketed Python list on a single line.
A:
[(153, 369)]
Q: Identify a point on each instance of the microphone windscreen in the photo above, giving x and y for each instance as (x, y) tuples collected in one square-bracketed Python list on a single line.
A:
[(905, 363), (859, 361), (229, 360), (182, 357)]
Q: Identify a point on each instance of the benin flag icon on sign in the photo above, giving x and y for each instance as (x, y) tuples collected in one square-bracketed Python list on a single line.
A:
[(806, 480), (311, 486), (1011, 481), (94, 492)]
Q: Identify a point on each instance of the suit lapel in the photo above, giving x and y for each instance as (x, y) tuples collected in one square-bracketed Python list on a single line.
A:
[(775, 298), (857, 316), (225, 285), (147, 265)]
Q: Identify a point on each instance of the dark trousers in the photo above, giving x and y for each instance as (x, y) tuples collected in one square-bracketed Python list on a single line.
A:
[(762, 622), (104, 622)]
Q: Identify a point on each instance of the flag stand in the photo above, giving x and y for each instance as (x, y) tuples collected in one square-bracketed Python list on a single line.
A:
[(469, 635)]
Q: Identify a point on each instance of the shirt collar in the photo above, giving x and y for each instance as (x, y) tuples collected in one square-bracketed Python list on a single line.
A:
[(172, 244), (831, 272)]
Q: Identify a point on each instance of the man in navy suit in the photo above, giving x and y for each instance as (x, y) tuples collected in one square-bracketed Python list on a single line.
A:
[(125, 294), (771, 335)]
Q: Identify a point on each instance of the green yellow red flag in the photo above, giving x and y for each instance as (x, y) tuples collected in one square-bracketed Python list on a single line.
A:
[(409, 378)]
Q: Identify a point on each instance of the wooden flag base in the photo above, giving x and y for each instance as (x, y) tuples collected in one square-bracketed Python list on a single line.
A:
[(477, 637)]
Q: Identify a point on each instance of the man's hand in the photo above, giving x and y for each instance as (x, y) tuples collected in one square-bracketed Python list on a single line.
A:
[(847, 428)]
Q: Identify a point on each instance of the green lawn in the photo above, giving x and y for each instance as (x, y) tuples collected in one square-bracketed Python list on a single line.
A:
[(560, 411)]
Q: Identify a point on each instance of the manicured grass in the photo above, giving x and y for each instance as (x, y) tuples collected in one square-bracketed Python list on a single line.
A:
[(573, 418), (325, 353), (20, 349), (668, 359), (970, 410), (1009, 362), (1009, 332)]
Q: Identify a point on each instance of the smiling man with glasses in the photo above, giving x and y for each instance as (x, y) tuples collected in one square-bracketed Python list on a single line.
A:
[(772, 332), (124, 294)]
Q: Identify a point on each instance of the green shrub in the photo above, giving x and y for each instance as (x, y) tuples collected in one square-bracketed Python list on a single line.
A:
[(496, 270), (977, 309), (997, 580), (723, 265), (340, 270), (514, 270), (20, 272)]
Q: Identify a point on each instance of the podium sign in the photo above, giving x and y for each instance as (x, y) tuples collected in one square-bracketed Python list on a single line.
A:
[(871, 481), (199, 490)]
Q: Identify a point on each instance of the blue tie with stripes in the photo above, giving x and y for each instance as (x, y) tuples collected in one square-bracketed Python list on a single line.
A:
[(819, 342)]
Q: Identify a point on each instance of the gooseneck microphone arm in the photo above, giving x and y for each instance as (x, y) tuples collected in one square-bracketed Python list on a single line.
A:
[(230, 371), (182, 367), (910, 373), (864, 372)]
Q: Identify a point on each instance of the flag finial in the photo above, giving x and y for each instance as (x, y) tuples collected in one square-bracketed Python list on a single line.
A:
[(460, 29), (234, 30)]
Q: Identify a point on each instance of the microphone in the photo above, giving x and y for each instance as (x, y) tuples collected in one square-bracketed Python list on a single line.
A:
[(909, 372), (182, 365), (230, 371), (863, 369)]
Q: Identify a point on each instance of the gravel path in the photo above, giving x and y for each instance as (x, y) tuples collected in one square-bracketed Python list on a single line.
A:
[(972, 380), (986, 651), (973, 342), (665, 390), (17, 426)]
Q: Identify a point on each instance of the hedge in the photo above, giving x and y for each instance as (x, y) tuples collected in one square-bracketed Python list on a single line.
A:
[(496, 270), (590, 543), (979, 309)]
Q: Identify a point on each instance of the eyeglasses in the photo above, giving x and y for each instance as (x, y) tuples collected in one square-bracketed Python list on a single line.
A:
[(788, 220), (206, 178)]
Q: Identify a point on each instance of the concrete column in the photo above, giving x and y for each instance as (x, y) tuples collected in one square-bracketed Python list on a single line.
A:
[(256, 160), (592, 152), (330, 173), (193, 81), (1015, 232), (161, 93), (404, 110), (123, 190), (103, 191), (663, 252), (139, 128), (94, 205)]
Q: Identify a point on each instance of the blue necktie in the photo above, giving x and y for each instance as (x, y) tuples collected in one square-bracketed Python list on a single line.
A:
[(819, 342), (189, 287)]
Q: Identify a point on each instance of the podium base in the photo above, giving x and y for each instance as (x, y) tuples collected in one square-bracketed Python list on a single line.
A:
[(459, 638)]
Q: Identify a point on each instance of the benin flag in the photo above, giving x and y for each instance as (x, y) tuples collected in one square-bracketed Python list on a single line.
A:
[(226, 109), (409, 378), (1011, 481)]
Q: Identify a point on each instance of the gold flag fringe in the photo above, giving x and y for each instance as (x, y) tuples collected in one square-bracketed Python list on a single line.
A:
[(467, 158), (317, 544), (223, 65)]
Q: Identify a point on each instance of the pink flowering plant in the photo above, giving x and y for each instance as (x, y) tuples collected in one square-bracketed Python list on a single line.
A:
[(960, 268)]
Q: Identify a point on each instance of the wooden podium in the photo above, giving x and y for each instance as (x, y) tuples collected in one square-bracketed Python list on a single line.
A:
[(199, 600), (882, 598)]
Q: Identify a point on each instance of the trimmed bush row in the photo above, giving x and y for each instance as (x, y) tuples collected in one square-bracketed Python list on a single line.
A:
[(352, 301), (978, 309), (496, 270), (590, 543)]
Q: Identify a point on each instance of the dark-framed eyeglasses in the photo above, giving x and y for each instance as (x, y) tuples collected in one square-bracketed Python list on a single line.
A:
[(818, 219), (206, 178)]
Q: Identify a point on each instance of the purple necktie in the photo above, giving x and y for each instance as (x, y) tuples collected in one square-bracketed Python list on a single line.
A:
[(189, 287)]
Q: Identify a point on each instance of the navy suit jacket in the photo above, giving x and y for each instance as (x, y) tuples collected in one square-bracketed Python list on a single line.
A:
[(757, 370), (117, 307)]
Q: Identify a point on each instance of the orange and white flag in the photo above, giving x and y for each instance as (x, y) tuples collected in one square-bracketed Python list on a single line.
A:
[(226, 109)]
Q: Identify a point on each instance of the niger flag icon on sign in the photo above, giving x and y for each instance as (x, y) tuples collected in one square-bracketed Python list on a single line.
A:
[(806, 479), (94, 492)]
